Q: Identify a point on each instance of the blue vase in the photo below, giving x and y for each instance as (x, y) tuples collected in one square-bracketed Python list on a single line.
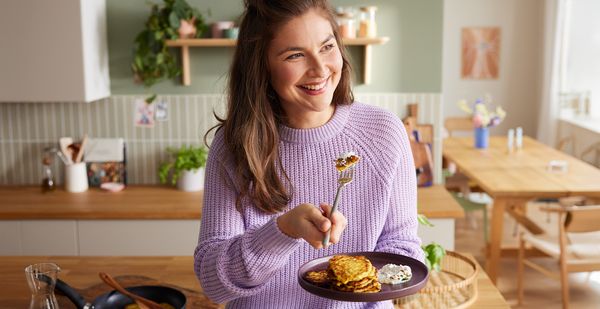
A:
[(481, 137)]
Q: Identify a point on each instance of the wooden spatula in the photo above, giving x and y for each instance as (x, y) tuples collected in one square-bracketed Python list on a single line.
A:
[(142, 302)]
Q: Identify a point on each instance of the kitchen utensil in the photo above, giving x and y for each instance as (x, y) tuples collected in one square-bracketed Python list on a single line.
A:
[(420, 275), (63, 157), (81, 149), (345, 177), (142, 302), (114, 299), (64, 143)]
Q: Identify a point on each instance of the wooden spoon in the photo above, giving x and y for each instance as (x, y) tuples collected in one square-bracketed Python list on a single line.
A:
[(81, 149), (142, 302)]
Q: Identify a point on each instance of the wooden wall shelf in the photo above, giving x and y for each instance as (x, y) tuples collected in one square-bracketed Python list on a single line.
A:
[(185, 44)]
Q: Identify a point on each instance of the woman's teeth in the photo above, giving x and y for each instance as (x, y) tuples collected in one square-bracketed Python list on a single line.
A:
[(314, 87)]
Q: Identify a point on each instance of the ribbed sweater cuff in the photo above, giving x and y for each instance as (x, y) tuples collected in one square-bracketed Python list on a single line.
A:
[(273, 240)]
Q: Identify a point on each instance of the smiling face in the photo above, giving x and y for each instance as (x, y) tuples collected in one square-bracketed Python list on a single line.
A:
[(305, 66)]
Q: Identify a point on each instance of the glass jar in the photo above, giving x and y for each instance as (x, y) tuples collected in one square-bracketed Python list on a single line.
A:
[(42, 279), (368, 26), (346, 25)]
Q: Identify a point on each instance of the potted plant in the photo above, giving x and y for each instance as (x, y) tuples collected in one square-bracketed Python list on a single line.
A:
[(186, 169), (433, 251), (152, 60)]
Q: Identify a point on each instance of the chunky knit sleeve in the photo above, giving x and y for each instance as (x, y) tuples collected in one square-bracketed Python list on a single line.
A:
[(232, 260), (399, 234)]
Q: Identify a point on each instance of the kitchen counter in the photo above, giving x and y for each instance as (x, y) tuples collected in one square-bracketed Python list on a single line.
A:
[(134, 202), (82, 272), (137, 219), (153, 202), (435, 202)]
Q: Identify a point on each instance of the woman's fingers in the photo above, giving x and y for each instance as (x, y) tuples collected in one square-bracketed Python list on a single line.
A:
[(311, 223), (338, 223), (319, 220)]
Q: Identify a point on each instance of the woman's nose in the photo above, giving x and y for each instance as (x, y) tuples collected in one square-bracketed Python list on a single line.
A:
[(318, 66)]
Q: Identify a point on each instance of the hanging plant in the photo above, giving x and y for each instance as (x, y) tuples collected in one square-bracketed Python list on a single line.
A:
[(152, 60)]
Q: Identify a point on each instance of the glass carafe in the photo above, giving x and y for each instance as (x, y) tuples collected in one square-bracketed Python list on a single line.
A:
[(42, 279)]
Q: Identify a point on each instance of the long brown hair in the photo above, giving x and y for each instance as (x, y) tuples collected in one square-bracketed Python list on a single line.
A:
[(253, 109)]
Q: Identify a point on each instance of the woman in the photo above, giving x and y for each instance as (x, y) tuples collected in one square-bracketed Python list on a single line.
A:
[(290, 114)]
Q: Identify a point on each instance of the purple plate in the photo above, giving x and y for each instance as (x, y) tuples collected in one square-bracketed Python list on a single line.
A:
[(420, 274)]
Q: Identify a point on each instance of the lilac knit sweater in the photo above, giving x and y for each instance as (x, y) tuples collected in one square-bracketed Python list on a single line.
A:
[(245, 260)]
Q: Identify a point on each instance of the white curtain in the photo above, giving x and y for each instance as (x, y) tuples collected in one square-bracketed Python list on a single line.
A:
[(555, 23)]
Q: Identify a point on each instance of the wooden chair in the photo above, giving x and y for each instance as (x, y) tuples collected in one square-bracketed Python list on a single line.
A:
[(458, 183), (421, 144), (458, 124), (592, 151), (420, 138), (575, 247)]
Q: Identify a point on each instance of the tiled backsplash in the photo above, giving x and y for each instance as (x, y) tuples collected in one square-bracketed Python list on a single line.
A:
[(27, 128)]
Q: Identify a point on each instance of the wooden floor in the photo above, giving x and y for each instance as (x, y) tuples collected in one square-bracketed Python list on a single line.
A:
[(540, 291)]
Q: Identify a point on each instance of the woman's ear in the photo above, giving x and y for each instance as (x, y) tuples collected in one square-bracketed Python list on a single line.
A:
[(271, 94)]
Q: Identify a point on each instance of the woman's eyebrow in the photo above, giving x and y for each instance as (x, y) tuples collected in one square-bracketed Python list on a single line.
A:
[(294, 48)]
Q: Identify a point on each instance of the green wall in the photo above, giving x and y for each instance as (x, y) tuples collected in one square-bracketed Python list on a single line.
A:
[(409, 62)]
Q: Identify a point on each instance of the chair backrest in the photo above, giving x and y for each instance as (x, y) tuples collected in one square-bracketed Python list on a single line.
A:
[(458, 124), (582, 219), (592, 154), (565, 142)]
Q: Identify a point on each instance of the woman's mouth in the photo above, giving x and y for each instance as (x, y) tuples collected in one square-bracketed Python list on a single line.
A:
[(315, 88)]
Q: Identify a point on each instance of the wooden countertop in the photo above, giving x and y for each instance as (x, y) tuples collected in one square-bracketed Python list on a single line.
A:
[(152, 202), (81, 272), (135, 202)]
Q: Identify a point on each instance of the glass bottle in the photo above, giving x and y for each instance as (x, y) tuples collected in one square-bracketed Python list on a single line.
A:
[(42, 279), (368, 26), (48, 180)]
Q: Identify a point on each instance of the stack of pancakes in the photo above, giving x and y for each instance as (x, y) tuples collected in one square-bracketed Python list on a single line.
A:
[(348, 274), (353, 274)]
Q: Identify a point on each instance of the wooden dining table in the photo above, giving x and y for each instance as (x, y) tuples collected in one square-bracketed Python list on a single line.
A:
[(512, 178)]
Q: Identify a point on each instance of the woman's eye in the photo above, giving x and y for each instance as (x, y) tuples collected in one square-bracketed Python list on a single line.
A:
[(293, 56), (328, 47)]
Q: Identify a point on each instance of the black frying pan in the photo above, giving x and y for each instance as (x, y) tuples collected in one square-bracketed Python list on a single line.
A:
[(116, 300)]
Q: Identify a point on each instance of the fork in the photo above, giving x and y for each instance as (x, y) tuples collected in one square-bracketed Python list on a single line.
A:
[(345, 177)]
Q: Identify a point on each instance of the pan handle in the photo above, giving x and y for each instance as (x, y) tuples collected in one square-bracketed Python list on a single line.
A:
[(73, 296)]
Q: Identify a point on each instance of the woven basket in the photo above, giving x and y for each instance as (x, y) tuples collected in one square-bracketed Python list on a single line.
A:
[(455, 286)]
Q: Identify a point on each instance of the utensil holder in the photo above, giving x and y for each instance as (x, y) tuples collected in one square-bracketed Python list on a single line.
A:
[(76, 177)]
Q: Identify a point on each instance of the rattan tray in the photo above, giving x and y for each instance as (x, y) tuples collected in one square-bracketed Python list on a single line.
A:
[(455, 286)]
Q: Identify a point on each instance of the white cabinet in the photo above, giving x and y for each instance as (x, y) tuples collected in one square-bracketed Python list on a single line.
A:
[(442, 232), (48, 237), (138, 237), (98, 237), (53, 51)]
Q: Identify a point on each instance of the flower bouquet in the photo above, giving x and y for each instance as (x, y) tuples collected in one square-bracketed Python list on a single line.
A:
[(483, 118)]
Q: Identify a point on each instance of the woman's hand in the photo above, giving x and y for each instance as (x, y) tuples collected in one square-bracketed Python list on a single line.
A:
[(310, 223)]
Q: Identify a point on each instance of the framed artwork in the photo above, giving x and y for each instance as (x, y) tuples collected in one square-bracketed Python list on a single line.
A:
[(144, 113), (480, 53)]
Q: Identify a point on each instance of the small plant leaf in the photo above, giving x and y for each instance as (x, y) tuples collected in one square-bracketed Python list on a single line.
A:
[(434, 253), (174, 20), (423, 220)]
